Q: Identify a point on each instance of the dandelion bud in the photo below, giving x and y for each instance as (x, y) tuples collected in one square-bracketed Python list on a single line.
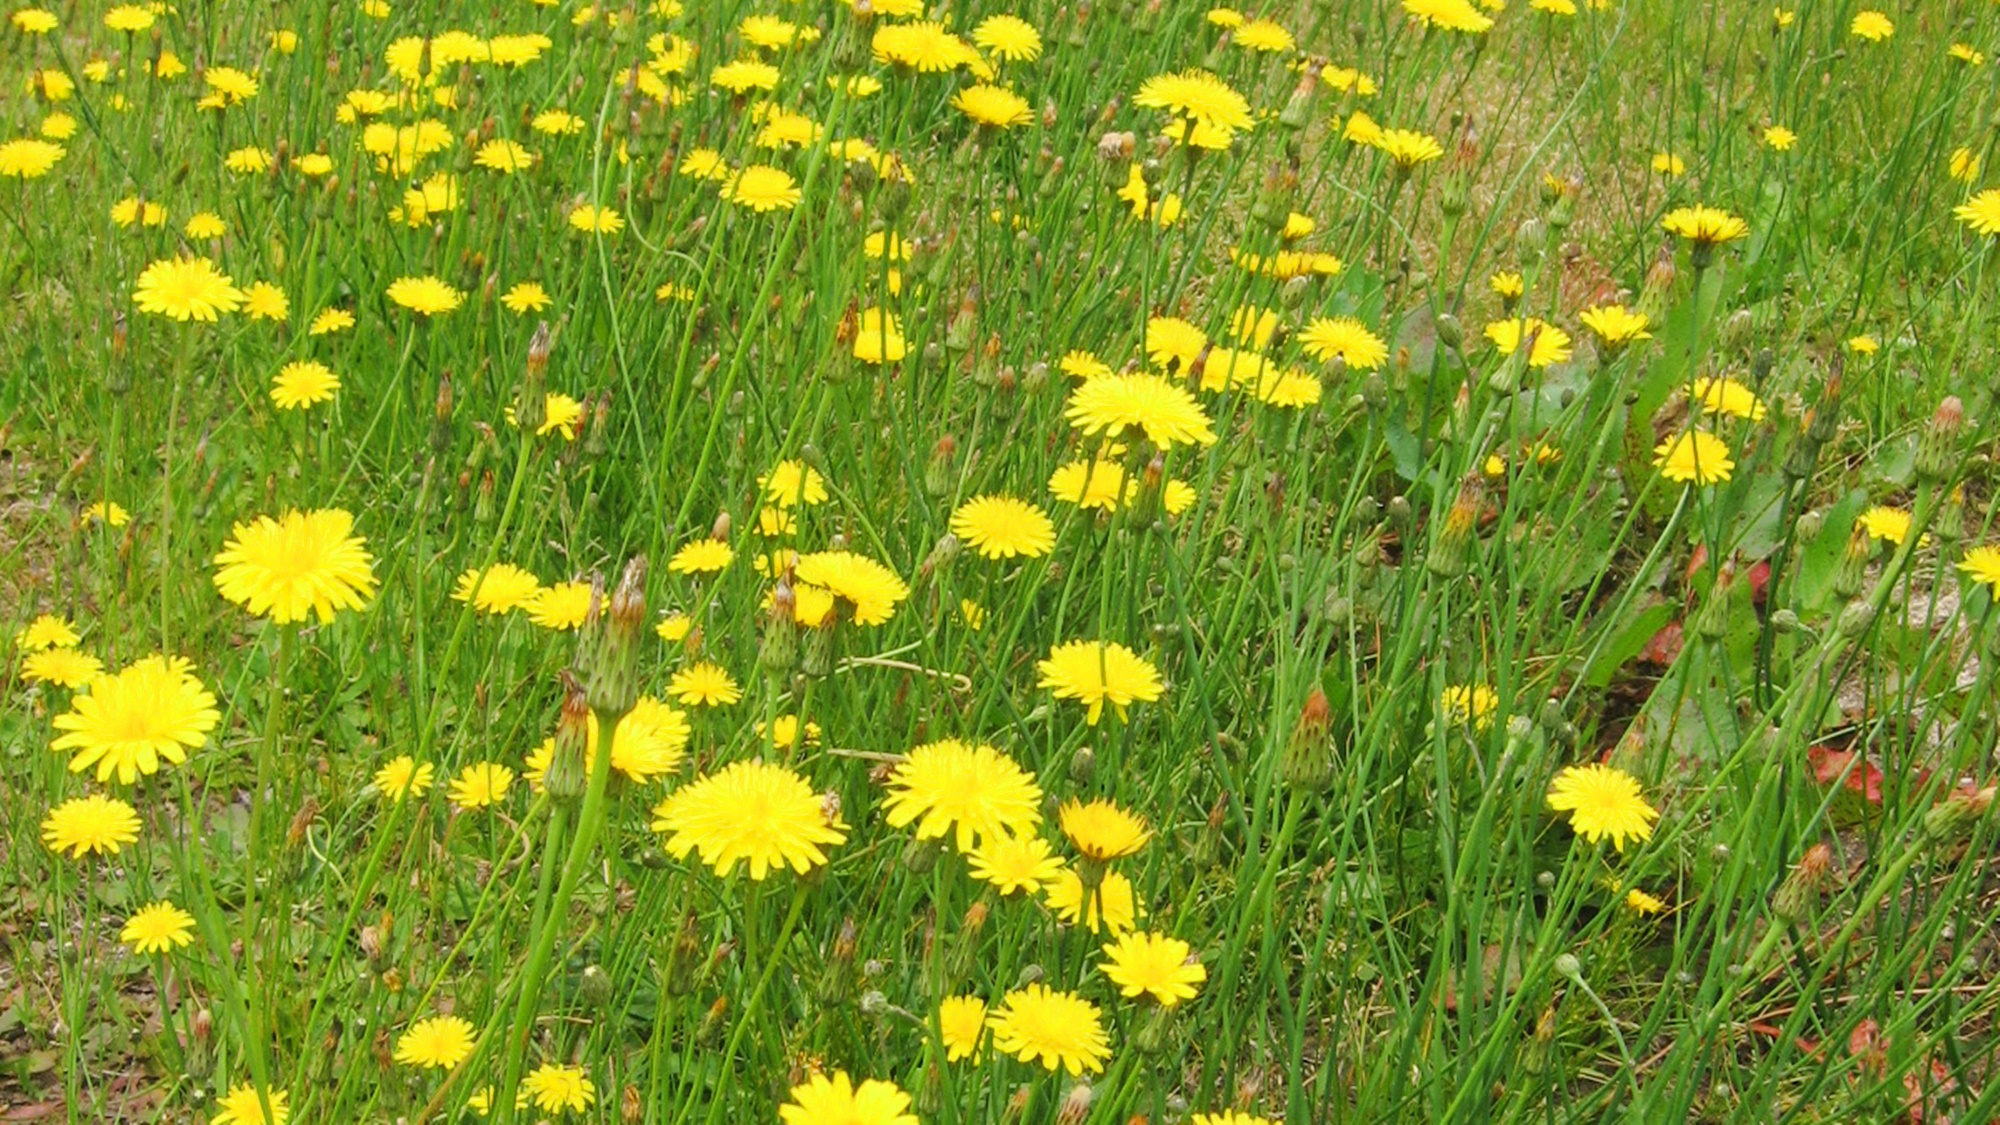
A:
[(937, 471), (1735, 330), (1531, 240), (1785, 622), (593, 986), (1017, 1102), (482, 508), (837, 983), (1809, 525), (1952, 818), (568, 769), (531, 403), (631, 1105), (1083, 766), (1852, 571), (1400, 515), (1855, 619), (1796, 897), (683, 956), (1825, 420), (1950, 523), (780, 647), (1937, 447), (1659, 284), (598, 441), (1455, 539), (1298, 108), (1076, 1104), (1449, 332), (1713, 619), (816, 653), (614, 675), (441, 417), (1272, 206), (958, 334), (710, 1030), (1308, 760), (204, 1025)]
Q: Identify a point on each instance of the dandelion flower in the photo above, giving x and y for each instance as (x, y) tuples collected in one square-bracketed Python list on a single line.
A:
[(160, 927), (153, 710), (298, 564), (1615, 325), (46, 631), (437, 1043), (995, 107), (703, 556), (244, 1105), (1014, 864), (403, 776), (480, 784), (1111, 908), (1059, 1030), (878, 338), (34, 21), (1264, 35), (186, 289), (1095, 673), (1409, 148), (1871, 25), (63, 667), (1704, 226), (329, 321), (752, 812), (205, 225), (1603, 801), (425, 296), (820, 1100), (561, 607), (93, 823), (28, 158), (109, 512), (1008, 37), (592, 219), (1726, 396), (1198, 96), (792, 483), (1643, 904), (1777, 138), (526, 297), (1669, 164), (704, 685), (1155, 965), (1981, 212), (744, 75), (1166, 413), (1346, 339), (973, 791), (1001, 527), (1101, 830), (1695, 456), (1469, 705), (303, 383), (762, 189), (961, 1026), (501, 588), (1549, 344), (504, 156), (265, 301), (554, 1087), (1450, 15), (1982, 566), (871, 588)]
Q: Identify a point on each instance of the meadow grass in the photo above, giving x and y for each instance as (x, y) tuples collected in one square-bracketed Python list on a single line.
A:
[(846, 562)]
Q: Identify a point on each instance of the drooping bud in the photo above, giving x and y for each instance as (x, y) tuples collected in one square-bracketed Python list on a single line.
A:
[(1796, 897), (1952, 818)]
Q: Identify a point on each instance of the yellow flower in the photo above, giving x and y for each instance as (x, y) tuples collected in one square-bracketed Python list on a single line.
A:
[(1451, 15), (1871, 25), (1548, 344), (1507, 285), (1779, 139), (1470, 705), (1094, 673), (1264, 35), (160, 927), (128, 722), (1008, 37), (425, 296), (1409, 148), (403, 776), (878, 338), (330, 321), (1982, 566), (46, 631), (63, 667), (873, 590), (34, 21), (650, 742), (1603, 801), (303, 383), (1101, 830), (674, 627), (504, 156), (498, 589), (1892, 524), (1001, 527), (1967, 54), (244, 1105), (205, 225), (230, 84), (554, 1087), (526, 297), (1198, 96), (1346, 339), (437, 1043), (993, 106), (1615, 325), (1641, 903), (1726, 396), (1694, 456), (961, 1026), (480, 784), (1164, 411), (1155, 965), (1981, 212), (1863, 344), (973, 791), (752, 812), (265, 301), (762, 189), (299, 563), (1014, 864), (1704, 226), (94, 823), (1668, 164), (1059, 1030), (792, 483), (703, 556), (1111, 908), (186, 289), (590, 218), (820, 1100), (109, 512), (704, 685), (561, 606)]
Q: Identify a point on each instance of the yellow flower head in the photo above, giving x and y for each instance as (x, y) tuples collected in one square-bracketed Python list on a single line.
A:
[(821, 1100), (1002, 527), (437, 1043), (750, 812), (1101, 830), (127, 723), (298, 564), (1603, 801), (94, 823), (973, 791), (1059, 1030), (1694, 457), (160, 927), (1154, 965), (1095, 673)]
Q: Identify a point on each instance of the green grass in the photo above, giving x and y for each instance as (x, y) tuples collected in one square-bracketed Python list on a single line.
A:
[(1418, 938)]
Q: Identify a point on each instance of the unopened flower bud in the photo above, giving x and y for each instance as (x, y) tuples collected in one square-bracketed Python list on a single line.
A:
[(1454, 543), (1937, 448), (1952, 818), (531, 402), (1852, 571), (938, 470), (569, 769), (1308, 762), (1796, 897), (1082, 766), (1856, 618), (440, 438)]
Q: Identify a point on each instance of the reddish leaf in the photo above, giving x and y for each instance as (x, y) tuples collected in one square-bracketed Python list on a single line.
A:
[(1664, 646), (1759, 575), (1864, 778)]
